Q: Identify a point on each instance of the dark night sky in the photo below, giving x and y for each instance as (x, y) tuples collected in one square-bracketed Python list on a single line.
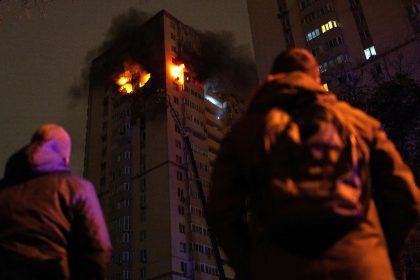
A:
[(43, 52)]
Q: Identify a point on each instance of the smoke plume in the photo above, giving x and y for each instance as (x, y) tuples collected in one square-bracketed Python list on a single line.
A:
[(218, 62), (122, 29)]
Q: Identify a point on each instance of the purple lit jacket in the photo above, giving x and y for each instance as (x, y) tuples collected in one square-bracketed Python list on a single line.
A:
[(51, 223)]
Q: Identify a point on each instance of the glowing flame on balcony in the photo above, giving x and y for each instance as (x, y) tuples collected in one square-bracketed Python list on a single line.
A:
[(177, 73), (132, 78)]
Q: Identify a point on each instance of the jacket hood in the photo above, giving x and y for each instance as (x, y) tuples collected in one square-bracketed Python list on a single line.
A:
[(283, 87), (34, 160)]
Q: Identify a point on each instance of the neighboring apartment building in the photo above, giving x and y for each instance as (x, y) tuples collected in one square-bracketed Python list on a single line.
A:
[(354, 40), (136, 156)]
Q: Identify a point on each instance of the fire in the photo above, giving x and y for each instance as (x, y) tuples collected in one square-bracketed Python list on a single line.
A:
[(177, 72), (132, 78)]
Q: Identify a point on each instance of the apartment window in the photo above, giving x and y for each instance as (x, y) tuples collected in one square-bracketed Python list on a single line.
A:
[(181, 210), (178, 159), (178, 144), (369, 52), (142, 217), (125, 256), (142, 200), (126, 223), (184, 267), (335, 42), (316, 51), (142, 273), (176, 100), (127, 170), (376, 71), (182, 247), (329, 25), (179, 176), (127, 155), (173, 37), (173, 48), (126, 275), (289, 39), (143, 255), (364, 34), (181, 228), (142, 235), (125, 237), (414, 9), (312, 35), (180, 192)]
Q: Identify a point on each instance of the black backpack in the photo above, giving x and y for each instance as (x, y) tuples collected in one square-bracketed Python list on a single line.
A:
[(314, 174)]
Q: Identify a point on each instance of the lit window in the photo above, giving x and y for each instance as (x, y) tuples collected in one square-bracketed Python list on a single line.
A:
[(329, 25), (369, 52), (325, 86), (312, 35)]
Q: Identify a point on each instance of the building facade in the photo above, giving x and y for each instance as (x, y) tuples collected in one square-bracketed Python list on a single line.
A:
[(142, 101), (355, 41)]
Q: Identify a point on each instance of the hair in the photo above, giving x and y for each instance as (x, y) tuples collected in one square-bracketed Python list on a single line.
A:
[(296, 59)]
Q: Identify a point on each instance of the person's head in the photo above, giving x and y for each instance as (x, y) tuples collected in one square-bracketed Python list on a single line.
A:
[(57, 136), (296, 59)]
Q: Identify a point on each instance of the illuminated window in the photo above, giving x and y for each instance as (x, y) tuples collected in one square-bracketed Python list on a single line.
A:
[(312, 35), (369, 52), (325, 86), (329, 25)]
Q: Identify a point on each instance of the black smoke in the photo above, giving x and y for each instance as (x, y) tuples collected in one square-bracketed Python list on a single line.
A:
[(123, 29), (219, 61)]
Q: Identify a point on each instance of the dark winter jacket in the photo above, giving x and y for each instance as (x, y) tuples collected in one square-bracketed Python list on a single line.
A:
[(362, 252), (51, 223)]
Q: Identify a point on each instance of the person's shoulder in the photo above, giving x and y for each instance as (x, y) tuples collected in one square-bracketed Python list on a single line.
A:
[(74, 181), (357, 113), (363, 122)]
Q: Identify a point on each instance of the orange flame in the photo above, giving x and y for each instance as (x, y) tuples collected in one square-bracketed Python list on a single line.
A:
[(133, 77), (177, 72)]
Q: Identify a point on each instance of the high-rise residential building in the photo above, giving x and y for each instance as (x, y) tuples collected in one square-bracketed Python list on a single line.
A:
[(355, 41), (142, 101)]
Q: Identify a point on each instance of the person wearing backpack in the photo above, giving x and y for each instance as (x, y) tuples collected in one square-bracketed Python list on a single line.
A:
[(307, 187)]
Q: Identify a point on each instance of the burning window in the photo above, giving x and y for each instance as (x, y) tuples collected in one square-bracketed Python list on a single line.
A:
[(132, 78), (177, 73)]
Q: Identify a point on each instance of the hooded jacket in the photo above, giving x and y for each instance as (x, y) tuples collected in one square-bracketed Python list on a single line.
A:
[(51, 223), (362, 253)]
